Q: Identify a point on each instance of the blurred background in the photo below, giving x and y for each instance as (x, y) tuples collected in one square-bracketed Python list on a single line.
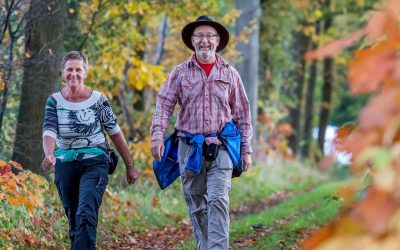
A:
[(133, 45), (306, 98)]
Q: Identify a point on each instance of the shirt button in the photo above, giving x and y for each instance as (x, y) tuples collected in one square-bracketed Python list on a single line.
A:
[(206, 94)]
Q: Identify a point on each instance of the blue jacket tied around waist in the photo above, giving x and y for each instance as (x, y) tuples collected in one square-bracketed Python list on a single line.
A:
[(167, 169)]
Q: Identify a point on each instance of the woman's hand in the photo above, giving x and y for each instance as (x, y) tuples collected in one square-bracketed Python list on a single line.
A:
[(49, 161), (131, 174)]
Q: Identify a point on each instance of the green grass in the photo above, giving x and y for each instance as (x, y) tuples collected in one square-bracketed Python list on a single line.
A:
[(305, 211), (144, 205), (256, 184), (20, 219), (259, 183), (154, 207)]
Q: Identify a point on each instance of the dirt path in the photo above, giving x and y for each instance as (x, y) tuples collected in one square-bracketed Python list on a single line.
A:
[(261, 231), (170, 237), (260, 205), (161, 239)]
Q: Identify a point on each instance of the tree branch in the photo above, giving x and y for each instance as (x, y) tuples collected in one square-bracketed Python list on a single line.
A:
[(7, 21), (92, 23)]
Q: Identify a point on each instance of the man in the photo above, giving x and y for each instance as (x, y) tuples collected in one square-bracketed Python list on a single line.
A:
[(210, 94)]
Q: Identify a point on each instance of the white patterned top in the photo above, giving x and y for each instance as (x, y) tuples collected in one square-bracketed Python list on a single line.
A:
[(79, 125)]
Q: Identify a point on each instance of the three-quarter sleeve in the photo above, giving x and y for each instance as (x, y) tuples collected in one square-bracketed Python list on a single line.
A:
[(50, 123), (107, 117)]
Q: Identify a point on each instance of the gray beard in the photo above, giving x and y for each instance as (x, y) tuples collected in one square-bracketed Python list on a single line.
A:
[(205, 56)]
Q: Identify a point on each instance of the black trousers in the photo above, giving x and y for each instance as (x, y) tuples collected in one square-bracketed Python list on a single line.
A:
[(81, 185)]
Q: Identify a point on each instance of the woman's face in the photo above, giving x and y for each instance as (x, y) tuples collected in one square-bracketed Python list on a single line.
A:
[(74, 73)]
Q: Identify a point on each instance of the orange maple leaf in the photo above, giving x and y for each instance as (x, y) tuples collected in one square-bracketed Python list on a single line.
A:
[(378, 61)]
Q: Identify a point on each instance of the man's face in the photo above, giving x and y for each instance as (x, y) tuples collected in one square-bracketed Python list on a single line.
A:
[(205, 41)]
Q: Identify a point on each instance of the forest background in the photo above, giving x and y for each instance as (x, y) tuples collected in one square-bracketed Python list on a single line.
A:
[(295, 96)]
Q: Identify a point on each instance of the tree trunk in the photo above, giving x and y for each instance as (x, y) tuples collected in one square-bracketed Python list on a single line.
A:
[(122, 103), (326, 89), (43, 47), (13, 36), (7, 78), (139, 94), (309, 110), (248, 67), (149, 94), (309, 106), (299, 48), (162, 34), (5, 23), (326, 101)]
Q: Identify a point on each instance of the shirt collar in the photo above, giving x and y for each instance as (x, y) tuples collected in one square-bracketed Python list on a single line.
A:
[(219, 61)]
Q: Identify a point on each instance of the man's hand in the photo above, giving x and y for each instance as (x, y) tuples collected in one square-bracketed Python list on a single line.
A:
[(49, 161), (157, 149), (131, 174), (246, 161)]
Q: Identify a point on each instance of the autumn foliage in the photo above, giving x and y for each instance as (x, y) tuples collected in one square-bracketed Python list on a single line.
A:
[(31, 215), (13, 187), (24, 213), (373, 221)]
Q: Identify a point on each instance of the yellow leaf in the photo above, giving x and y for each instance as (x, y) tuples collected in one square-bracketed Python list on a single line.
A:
[(11, 185), (318, 14), (360, 2), (37, 179), (29, 204)]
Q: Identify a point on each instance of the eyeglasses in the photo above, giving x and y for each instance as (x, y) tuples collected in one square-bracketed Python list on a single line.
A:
[(209, 37)]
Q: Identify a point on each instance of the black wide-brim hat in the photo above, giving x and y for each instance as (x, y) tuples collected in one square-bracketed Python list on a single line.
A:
[(223, 33)]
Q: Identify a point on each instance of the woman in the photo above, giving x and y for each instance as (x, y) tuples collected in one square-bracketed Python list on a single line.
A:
[(75, 119)]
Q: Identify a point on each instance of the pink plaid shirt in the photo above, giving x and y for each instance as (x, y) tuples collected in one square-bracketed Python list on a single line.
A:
[(206, 103)]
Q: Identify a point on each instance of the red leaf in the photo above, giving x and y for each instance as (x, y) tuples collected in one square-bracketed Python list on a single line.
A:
[(4, 168), (345, 130)]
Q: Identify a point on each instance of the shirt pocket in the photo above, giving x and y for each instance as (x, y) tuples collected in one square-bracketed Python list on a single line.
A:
[(221, 88), (190, 88)]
